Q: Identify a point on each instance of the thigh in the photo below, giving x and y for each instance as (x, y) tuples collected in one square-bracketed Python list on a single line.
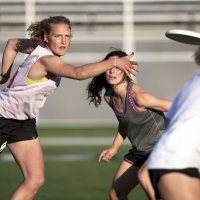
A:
[(156, 174), (12, 130), (125, 178), (28, 154), (176, 186)]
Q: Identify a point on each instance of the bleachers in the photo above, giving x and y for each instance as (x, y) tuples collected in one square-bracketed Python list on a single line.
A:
[(103, 12), (97, 25), (93, 17)]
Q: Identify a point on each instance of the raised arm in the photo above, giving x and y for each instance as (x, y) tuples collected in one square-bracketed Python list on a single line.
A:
[(12, 47), (9, 55)]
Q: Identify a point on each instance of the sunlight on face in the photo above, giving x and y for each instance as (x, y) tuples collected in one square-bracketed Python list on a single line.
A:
[(114, 75), (59, 39)]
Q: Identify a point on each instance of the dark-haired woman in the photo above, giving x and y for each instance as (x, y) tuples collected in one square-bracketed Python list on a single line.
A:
[(141, 120)]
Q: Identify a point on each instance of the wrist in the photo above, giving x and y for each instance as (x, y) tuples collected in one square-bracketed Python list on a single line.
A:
[(115, 62), (5, 76), (115, 147)]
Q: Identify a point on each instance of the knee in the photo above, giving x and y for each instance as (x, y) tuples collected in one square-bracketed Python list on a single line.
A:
[(40, 181), (35, 183), (142, 176), (112, 194)]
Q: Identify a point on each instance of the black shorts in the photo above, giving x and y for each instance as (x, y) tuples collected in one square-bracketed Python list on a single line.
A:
[(155, 175), (135, 158), (12, 130)]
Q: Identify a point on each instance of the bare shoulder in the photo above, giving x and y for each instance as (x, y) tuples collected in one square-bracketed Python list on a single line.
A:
[(138, 89), (50, 60)]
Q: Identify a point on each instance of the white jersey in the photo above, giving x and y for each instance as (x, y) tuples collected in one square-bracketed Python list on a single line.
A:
[(23, 97), (179, 147)]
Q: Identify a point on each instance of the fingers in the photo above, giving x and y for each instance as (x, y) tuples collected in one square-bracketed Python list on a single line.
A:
[(134, 70), (130, 57), (128, 73), (133, 63), (127, 65), (131, 71), (132, 66), (104, 156), (106, 159)]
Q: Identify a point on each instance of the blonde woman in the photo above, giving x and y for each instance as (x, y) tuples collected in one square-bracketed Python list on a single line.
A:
[(36, 78)]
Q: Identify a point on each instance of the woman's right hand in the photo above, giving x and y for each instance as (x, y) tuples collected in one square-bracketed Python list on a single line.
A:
[(127, 65), (107, 154)]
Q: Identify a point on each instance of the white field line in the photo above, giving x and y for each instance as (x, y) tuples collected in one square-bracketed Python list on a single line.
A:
[(79, 141), (69, 141)]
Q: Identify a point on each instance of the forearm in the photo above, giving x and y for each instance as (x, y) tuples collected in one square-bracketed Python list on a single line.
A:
[(55, 65), (146, 100), (93, 69), (9, 55), (108, 154), (163, 105), (118, 140)]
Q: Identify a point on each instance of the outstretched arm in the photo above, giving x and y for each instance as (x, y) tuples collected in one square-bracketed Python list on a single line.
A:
[(144, 99), (55, 65)]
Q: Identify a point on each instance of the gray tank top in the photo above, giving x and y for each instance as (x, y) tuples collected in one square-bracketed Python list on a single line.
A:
[(142, 128)]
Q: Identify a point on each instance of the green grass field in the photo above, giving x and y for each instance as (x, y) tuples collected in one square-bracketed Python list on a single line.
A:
[(70, 180)]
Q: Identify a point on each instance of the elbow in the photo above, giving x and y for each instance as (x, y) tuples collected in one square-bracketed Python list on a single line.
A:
[(12, 43), (165, 108), (143, 175)]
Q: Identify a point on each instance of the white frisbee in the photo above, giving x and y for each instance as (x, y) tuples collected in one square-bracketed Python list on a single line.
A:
[(184, 36)]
